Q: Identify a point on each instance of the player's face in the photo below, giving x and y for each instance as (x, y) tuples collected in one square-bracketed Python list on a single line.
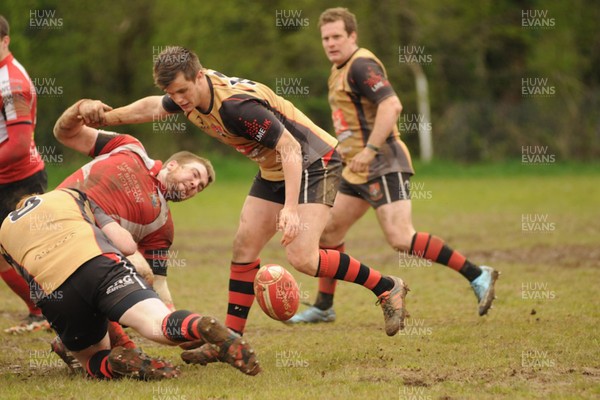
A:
[(338, 45), (186, 94), (184, 181)]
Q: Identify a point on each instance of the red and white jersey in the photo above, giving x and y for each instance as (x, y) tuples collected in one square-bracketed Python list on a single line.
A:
[(18, 105), (121, 180)]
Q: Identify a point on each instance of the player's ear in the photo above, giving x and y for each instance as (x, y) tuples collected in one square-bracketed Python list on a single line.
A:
[(171, 165), (199, 75)]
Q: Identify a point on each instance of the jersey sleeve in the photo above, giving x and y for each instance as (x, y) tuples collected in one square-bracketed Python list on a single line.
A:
[(18, 103), (108, 141), (17, 106), (100, 216), (155, 247), (169, 105), (368, 78), (252, 119)]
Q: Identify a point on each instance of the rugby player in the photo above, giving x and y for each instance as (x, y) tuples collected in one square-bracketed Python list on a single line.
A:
[(22, 169), (377, 171)]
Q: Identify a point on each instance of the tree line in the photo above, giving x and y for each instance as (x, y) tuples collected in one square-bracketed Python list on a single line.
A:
[(504, 77)]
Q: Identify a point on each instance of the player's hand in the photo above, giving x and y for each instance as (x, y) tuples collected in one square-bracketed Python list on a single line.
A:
[(361, 161), (288, 222), (92, 112)]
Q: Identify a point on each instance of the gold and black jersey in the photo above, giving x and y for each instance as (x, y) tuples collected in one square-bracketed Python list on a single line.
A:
[(355, 90), (51, 235), (250, 117)]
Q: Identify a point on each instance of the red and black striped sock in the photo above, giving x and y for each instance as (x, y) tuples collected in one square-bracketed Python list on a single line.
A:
[(433, 248), (98, 366), (241, 294), (327, 285), (19, 285), (336, 265), (181, 326)]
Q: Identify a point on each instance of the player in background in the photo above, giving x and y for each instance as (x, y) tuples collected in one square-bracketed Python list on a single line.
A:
[(80, 278), (22, 169), (292, 192), (365, 110), (133, 190)]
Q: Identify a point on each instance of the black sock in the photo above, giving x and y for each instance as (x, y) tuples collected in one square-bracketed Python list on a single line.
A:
[(383, 286), (470, 271), (98, 366), (324, 301)]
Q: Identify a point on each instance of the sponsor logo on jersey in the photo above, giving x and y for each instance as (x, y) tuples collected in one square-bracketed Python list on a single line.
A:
[(376, 81), (256, 130)]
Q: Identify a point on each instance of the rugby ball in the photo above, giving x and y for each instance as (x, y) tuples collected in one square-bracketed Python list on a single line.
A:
[(276, 292)]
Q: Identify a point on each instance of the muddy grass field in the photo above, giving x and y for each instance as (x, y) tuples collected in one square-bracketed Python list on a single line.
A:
[(541, 230)]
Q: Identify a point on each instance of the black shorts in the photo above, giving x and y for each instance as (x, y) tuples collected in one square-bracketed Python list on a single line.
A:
[(101, 289), (382, 190), (319, 184), (11, 193)]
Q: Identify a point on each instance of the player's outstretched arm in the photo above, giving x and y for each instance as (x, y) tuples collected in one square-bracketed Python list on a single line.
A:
[(71, 130), (147, 109), (121, 238)]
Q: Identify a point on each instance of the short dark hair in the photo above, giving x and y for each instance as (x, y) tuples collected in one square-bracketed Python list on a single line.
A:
[(339, 14), (4, 27), (173, 60)]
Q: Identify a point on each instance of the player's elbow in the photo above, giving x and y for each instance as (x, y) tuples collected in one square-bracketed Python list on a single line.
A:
[(57, 132), (396, 106), (127, 246)]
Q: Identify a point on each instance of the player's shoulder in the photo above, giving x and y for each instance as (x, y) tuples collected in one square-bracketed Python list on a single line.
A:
[(108, 141), (17, 76), (363, 58)]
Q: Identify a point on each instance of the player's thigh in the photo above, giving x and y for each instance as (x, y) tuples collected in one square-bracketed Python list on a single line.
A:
[(71, 311), (119, 289), (303, 251), (395, 220), (345, 212), (258, 224)]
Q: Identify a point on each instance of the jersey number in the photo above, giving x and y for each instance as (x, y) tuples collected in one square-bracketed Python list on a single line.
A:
[(30, 204)]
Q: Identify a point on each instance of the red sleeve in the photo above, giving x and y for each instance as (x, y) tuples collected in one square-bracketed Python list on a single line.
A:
[(17, 146), (17, 107), (108, 141)]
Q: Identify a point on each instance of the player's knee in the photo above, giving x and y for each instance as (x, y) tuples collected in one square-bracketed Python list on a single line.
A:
[(331, 235), (302, 262), (400, 241), (241, 246), (327, 237)]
